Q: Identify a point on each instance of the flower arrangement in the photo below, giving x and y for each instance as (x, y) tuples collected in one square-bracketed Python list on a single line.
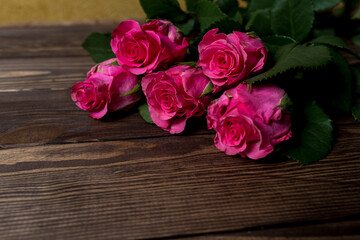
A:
[(268, 75)]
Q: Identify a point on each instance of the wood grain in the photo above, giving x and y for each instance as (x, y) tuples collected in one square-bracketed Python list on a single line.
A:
[(169, 186), (38, 109), (42, 73), (50, 116), (36, 103), (177, 185), (339, 229), (47, 41), (64, 175)]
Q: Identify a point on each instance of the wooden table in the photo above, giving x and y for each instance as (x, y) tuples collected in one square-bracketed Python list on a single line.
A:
[(64, 175)]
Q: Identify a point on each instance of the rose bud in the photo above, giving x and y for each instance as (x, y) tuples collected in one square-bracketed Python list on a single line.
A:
[(92, 95), (249, 123), (107, 88), (175, 44), (99, 67)]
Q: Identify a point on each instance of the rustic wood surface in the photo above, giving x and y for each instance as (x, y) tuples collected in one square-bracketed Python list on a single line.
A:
[(64, 175)]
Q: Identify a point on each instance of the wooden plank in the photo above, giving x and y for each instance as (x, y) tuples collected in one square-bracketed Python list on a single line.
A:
[(169, 186), (37, 109), (150, 184), (21, 74), (47, 41), (47, 116), (329, 230)]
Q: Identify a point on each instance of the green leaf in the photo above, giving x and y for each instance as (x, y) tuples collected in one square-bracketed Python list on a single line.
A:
[(293, 18), (255, 5), (225, 25), (320, 5), (340, 11), (260, 22), (293, 56), (356, 40), (238, 17), (186, 27), (208, 13), (252, 19), (114, 63), (334, 41), (355, 70), (209, 88), (338, 90), (316, 136), (285, 102), (356, 110), (144, 113), (164, 9), (330, 40), (98, 45), (227, 5), (356, 107), (191, 5), (357, 14), (284, 51), (136, 89), (191, 64), (329, 31), (273, 43)]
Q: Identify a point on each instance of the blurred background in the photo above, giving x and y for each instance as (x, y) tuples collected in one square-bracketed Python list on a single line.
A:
[(50, 12), (19, 12)]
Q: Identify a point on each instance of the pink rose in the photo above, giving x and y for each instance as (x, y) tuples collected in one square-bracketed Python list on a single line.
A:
[(105, 89), (175, 44), (229, 59), (176, 95), (142, 49), (249, 123), (98, 67), (122, 83), (92, 95), (164, 28)]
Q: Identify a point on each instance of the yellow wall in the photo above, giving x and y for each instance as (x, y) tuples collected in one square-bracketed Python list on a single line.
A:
[(60, 11), (55, 11)]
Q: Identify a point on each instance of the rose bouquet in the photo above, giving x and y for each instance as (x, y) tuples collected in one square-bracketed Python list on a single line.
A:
[(268, 75)]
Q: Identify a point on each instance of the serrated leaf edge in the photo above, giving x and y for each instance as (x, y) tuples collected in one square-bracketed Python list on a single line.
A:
[(251, 81)]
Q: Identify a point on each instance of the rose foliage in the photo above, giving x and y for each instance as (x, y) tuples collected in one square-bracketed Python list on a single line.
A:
[(267, 75)]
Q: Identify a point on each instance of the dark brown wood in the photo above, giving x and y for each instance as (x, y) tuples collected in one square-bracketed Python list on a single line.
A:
[(64, 175), (346, 229), (51, 73), (36, 103), (47, 41), (44, 116), (160, 187)]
